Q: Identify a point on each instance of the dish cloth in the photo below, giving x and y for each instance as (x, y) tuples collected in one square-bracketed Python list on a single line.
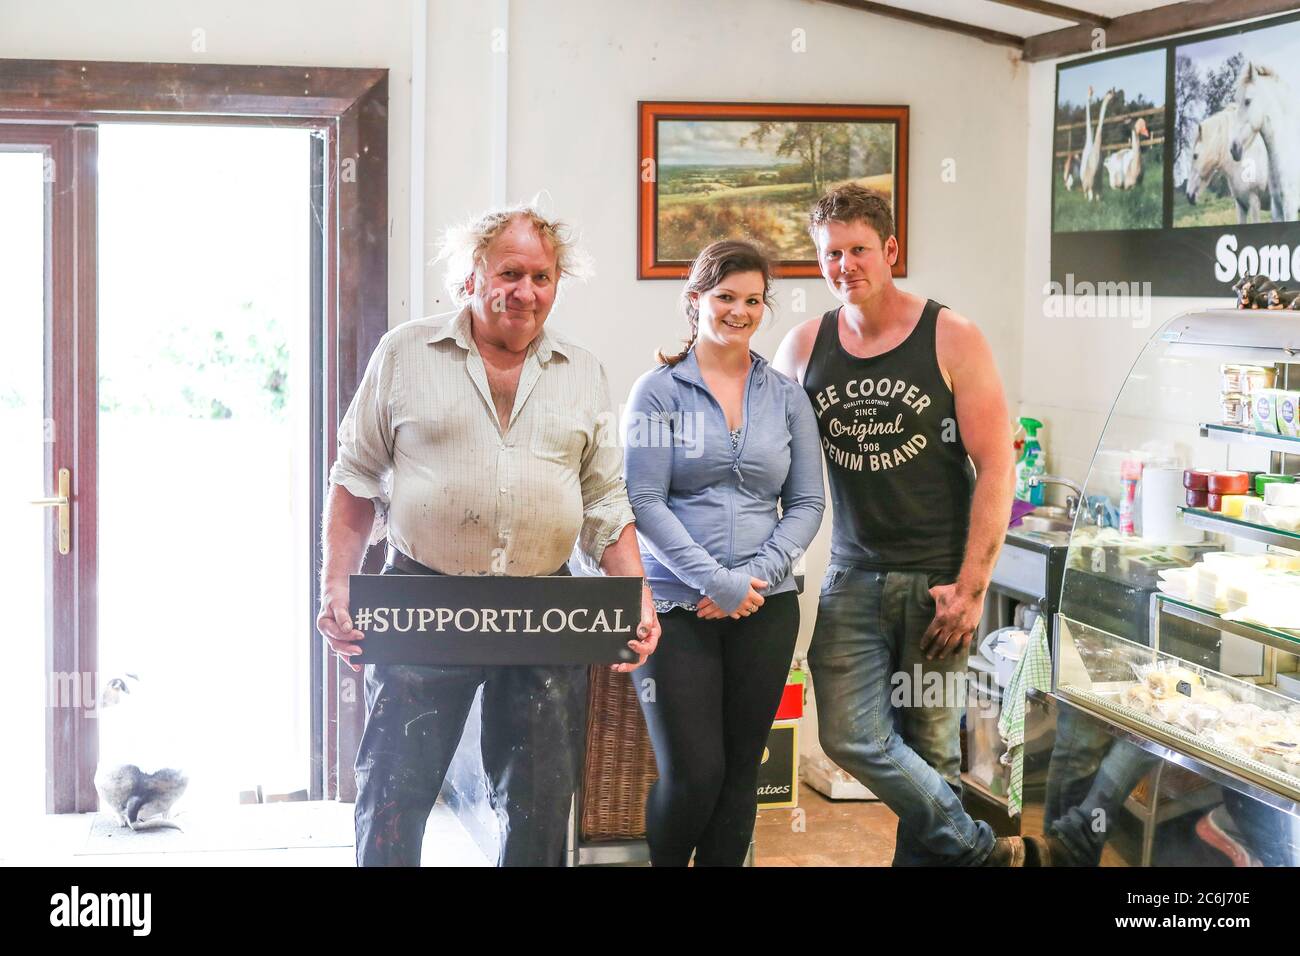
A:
[(1034, 670)]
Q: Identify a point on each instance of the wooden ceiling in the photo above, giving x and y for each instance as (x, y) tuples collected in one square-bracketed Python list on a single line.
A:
[(1122, 29)]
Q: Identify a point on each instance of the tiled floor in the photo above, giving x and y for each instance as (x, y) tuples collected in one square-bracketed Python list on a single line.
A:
[(822, 832)]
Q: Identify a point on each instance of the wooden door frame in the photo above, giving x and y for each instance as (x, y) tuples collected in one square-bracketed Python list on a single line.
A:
[(349, 107)]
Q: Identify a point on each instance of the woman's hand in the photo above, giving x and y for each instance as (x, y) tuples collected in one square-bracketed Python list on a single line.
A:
[(710, 611)]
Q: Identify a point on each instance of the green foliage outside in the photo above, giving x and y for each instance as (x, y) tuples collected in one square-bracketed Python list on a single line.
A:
[(239, 369)]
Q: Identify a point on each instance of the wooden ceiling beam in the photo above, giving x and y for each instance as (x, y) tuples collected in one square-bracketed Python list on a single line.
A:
[(1154, 24), (1057, 10), (937, 23)]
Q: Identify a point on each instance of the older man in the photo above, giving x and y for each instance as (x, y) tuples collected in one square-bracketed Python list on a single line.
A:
[(482, 444)]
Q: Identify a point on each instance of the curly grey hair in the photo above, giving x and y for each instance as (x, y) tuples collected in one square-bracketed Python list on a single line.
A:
[(463, 246)]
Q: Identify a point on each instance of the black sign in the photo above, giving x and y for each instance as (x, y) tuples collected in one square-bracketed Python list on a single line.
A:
[(456, 619), (778, 780)]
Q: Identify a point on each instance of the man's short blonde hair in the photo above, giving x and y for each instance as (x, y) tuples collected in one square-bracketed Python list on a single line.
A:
[(464, 247)]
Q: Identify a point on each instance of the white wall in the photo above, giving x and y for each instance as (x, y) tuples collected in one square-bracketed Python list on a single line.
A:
[(254, 32), (576, 72)]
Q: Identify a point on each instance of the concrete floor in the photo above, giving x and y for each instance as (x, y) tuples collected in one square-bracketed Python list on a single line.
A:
[(820, 833), (64, 840)]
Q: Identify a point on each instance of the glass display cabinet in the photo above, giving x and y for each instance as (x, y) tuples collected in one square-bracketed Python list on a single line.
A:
[(1174, 713)]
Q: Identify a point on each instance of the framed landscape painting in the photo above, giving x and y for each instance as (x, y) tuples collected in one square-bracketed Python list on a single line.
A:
[(710, 171)]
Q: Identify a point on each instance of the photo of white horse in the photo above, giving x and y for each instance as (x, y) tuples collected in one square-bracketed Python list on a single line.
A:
[(1237, 128)]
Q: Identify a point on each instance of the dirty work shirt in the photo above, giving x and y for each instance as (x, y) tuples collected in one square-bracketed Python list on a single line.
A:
[(900, 478), (458, 493)]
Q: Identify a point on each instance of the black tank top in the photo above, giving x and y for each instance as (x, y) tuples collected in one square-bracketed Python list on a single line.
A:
[(901, 481)]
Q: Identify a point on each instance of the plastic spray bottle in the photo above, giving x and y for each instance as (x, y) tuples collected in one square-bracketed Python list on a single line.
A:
[(1031, 463)]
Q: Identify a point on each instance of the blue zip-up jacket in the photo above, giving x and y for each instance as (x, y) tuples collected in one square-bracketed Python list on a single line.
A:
[(706, 517)]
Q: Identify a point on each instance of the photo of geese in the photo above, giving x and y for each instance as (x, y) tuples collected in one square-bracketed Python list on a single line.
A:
[(1108, 149)]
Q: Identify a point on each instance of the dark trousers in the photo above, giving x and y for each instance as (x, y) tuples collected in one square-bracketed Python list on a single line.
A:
[(709, 694), (534, 724)]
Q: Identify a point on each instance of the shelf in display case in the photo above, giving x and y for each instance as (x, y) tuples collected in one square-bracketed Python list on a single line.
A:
[(1108, 704), (1283, 640), (1216, 523), (1236, 434)]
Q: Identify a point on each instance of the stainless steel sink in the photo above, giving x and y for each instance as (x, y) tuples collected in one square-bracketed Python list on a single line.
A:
[(1033, 522)]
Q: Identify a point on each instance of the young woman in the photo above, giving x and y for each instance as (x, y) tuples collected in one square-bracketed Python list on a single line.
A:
[(716, 440)]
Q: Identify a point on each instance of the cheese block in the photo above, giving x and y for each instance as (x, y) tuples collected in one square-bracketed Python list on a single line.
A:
[(1229, 483), (1233, 505), (1223, 558), (1197, 498), (1196, 480), (1284, 562), (1253, 511), (1282, 493), (1284, 517), (1214, 502)]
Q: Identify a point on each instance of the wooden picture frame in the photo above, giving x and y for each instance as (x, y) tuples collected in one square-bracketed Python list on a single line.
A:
[(762, 153)]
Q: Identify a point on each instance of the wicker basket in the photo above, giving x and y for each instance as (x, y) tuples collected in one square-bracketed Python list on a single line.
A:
[(620, 764)]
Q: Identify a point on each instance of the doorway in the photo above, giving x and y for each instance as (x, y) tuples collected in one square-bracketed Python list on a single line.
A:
[(193, 268)]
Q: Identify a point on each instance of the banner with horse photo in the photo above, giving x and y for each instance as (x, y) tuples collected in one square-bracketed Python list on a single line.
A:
[(1178, 163)]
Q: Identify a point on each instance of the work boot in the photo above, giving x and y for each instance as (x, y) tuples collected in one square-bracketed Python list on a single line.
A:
[(1007, 851), (1019, 851)]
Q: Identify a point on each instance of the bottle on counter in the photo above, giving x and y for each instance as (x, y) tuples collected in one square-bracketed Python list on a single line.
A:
[(1030, 463)]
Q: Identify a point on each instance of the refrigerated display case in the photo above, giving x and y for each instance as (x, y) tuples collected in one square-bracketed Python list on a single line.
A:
[(1171, 733)]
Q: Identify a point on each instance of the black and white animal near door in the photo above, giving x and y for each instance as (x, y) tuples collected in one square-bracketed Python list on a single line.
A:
[(458, 620)]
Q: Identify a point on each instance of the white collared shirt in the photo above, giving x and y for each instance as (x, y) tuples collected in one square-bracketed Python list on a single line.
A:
[(457, 493)]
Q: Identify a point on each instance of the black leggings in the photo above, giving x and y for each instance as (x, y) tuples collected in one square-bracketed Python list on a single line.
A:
[(716, 688)]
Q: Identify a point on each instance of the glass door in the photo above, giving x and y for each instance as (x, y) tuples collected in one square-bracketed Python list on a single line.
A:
[(46, 240)]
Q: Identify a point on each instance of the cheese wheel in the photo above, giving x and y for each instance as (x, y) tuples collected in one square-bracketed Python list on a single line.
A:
[(1229, 483), (1264, 480), (1196, 480), (1197, 498), (1214, 502), (1281, 493)]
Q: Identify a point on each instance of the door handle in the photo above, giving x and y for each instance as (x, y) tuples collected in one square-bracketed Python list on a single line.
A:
[(64, 503)]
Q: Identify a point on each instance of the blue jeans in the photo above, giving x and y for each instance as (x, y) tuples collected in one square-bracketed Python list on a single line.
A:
[(869, 629)]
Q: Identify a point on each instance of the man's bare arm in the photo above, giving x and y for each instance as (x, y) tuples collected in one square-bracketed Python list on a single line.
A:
[(349, 521), (984, 426), (984, 423), (791, 358)]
